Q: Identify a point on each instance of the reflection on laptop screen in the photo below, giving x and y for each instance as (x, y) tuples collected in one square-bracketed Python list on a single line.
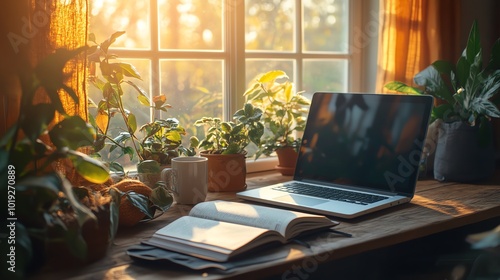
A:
[(364, 140)]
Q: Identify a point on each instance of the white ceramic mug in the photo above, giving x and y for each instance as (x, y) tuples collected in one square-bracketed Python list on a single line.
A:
[(187, 179)]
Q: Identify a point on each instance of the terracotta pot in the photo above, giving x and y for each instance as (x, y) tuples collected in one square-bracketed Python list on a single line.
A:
[(287, 159), (226, 173)]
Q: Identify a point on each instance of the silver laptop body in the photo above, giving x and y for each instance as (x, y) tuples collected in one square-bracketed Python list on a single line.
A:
[(360, 153)]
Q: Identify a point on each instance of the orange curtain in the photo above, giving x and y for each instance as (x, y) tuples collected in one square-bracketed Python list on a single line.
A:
[(34, 29), (413, 34)]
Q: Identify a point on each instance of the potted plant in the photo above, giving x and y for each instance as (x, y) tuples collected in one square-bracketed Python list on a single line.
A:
[(161, 137), (464, 150), (224, 146), (284, 114), (160, 143), (51, 219), (161, 140)]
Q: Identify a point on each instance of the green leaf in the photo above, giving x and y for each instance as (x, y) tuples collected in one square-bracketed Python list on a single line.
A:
[(122, 137), (92, 38), (128, 151), (129, 70), (76, 244), (89, 168), (36, 120), (138, 89), (271, 76), (105, 45), (494, 62), (490, 86), (463, 68), (132, 123), (252, 91), (72, 132), (102, 122), (140, 201), (256, 133), (435, 86), (473, 44), (50, 74), (143, 99), (486, 107), (161, 198), (232, 148), (402, 87), (116, 167), (56, 184), (114, 211), (148, 166), (444, 112)]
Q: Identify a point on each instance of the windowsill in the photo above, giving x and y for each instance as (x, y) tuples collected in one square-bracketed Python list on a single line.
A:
[(261, 164), (252, 165)]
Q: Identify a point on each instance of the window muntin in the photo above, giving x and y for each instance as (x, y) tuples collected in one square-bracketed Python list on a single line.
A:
[(201, 72)]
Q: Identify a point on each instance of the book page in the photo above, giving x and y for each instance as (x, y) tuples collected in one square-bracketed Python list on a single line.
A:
[(210, 239), (254, 215)]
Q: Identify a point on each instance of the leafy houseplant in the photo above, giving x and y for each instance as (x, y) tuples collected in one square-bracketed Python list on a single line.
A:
[(115, 74), (161, 137), (466, 90), (48, 209), (224, 146), (161, 140), (284, 114)]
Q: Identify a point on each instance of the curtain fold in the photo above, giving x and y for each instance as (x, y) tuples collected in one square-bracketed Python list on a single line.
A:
[(66, 28), (34, 29), (412, 35)]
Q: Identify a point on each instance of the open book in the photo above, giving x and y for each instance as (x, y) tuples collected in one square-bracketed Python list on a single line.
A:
[(220, 230)]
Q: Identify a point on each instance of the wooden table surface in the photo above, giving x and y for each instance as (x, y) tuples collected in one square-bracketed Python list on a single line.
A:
[(436, 207)]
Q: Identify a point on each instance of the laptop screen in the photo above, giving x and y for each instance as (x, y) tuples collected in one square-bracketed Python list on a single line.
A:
[(364, 140)]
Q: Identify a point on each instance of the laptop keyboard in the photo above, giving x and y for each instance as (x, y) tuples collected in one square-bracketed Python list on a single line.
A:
[(329, 193)]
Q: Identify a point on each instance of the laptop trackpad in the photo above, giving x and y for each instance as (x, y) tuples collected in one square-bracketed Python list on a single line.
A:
[(300, 200)]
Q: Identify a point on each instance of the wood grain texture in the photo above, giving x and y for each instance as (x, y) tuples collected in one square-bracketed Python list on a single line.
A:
[(436, 207)]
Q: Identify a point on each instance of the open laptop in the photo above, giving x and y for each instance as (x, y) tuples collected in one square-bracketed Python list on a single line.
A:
[(360, 153)]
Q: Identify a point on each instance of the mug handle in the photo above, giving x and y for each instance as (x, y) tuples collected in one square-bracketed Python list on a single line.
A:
[(167, 176)]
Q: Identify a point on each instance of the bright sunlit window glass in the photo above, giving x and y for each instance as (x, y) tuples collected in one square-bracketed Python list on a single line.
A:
[(203, 53), (189, 24), (270, 25), (108, 16), (325, 26), (197, 86), (310, 42)]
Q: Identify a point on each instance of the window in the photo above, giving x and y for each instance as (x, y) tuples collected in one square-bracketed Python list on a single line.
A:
[(202, 53)]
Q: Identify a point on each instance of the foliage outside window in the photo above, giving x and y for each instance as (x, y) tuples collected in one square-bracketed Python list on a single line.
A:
[(194, 52)]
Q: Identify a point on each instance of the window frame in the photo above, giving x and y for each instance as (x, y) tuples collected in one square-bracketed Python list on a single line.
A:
[(234, 55)]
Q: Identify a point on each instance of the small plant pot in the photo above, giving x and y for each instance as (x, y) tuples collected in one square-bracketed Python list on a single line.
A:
[(287, 159), (226, 173), (459, 155)]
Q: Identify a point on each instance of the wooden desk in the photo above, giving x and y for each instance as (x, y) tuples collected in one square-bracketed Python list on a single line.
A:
[(437, 207)]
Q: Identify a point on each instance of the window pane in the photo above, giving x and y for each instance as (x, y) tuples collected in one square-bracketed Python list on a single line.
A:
[(325, 75), (109, 16), (326, 25), (194, 89), (269, 25), (255, 67), (190, 24)]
